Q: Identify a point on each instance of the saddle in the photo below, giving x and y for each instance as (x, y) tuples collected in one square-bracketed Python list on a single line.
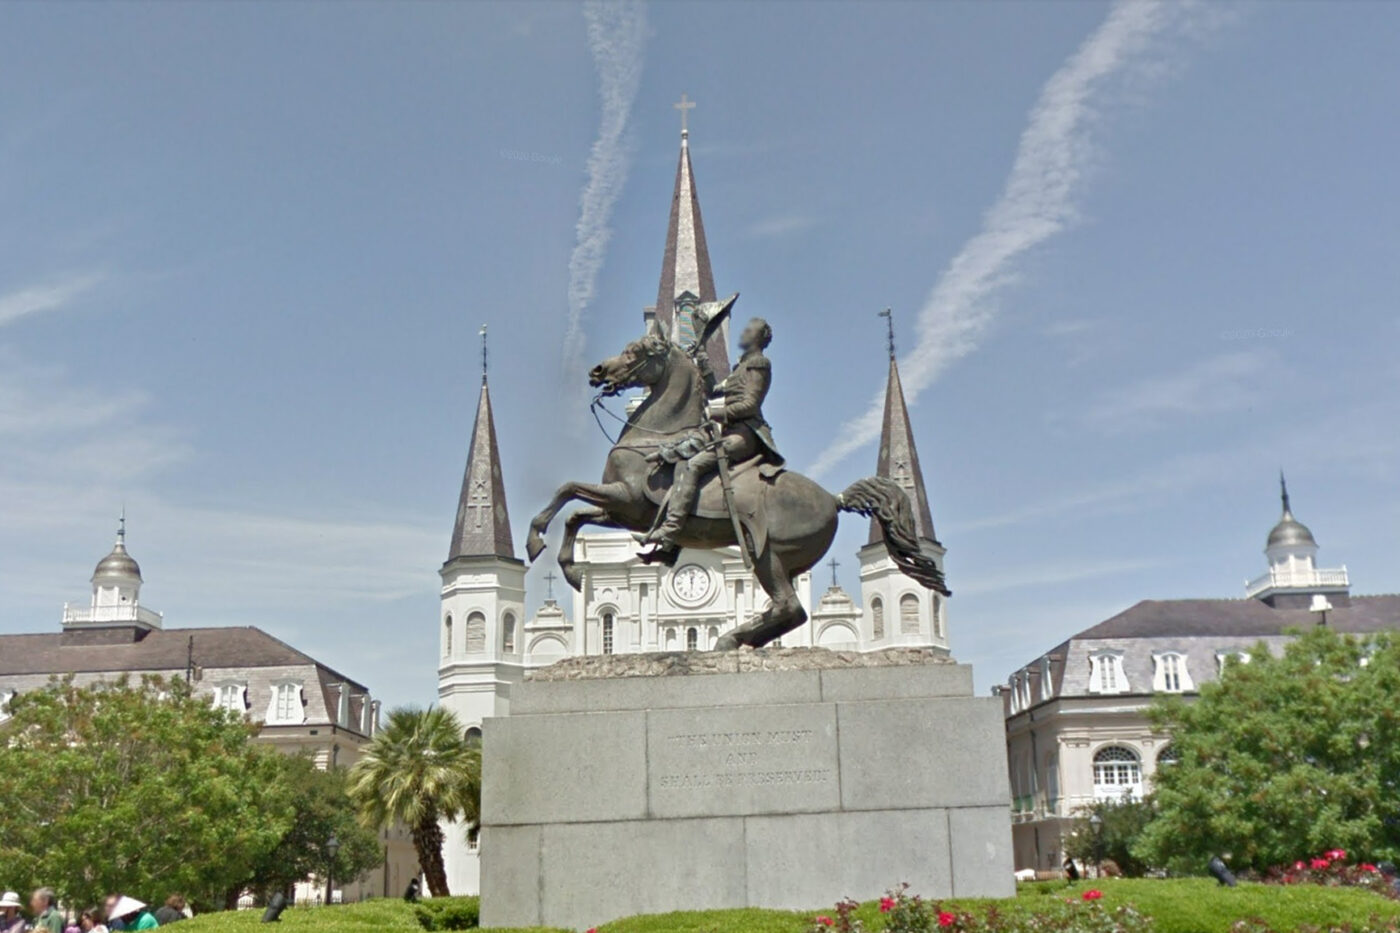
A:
[(751, 480)]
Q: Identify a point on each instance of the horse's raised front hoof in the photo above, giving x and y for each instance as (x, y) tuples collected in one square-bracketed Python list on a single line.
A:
[(534, 545), (573, 575), (727, 642)]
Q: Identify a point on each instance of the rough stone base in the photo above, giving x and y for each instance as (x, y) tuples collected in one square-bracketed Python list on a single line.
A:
[(607, 796)]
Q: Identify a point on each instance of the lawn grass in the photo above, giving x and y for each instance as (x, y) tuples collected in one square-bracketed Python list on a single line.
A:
[(1178, 906)]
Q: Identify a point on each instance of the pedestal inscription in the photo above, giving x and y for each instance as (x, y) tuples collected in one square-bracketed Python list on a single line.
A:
[(772, 759)]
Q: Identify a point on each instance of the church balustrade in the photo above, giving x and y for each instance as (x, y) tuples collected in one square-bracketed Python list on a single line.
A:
[(1297, 579)]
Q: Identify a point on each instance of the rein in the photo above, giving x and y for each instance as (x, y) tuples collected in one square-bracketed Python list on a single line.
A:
[(597, 405)]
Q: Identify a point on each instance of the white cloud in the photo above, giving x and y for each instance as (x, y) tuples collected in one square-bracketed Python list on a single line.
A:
[(1038, 201), (1229, 382), (780, 226), (39, 298), (616, 36)]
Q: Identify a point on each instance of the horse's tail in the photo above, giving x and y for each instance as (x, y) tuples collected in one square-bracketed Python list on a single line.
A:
[(889, 503)]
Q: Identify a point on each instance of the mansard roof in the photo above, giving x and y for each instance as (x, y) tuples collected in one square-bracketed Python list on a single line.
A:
[(1208, 618), (152, 651), (482, 528)]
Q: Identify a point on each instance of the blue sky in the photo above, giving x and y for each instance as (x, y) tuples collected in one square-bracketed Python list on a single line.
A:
[(1140, 257)]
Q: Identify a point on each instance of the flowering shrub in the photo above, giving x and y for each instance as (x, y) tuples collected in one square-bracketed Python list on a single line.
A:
[(902, 912), (1331, 869), (1374, 925)]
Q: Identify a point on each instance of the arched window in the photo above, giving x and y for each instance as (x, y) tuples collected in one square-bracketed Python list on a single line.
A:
[(1168, 756), (937, 616), (447, 637), (508, 633), (713, 636), (607, 633), (908, 614), (692, 639), (1117, 772), (877, 618), (476, 633), (473, 736)]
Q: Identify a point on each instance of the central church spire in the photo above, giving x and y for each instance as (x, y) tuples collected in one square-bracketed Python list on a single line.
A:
[(685, 266)]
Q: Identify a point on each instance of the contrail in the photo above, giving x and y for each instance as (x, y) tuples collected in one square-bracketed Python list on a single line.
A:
[(616, 34), (1055, 152)]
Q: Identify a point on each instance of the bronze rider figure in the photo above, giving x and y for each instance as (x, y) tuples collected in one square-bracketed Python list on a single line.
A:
[(742, 431)]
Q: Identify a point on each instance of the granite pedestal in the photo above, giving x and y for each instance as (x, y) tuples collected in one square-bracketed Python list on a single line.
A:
[(612, 795)]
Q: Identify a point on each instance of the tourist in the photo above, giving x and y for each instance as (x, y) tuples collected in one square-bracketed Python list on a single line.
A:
[(172, 911), (90, 921), (132, 914), (44, 903), (10, 919)]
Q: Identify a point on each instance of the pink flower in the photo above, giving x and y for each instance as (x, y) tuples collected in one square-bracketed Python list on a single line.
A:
[(886, 904), (1093, 895), (592, 930), (1320, 863), (1299, 865), (825, 921), (1367, 866), (946, 919)]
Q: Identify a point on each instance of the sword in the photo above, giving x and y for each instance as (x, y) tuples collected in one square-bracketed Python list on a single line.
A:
[(722, 460)]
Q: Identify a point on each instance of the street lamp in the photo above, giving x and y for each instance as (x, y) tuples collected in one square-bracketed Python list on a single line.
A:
[(332, 847), (1096, 825)]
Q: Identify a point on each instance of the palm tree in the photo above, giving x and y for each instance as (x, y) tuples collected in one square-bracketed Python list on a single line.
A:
[(419, 769)]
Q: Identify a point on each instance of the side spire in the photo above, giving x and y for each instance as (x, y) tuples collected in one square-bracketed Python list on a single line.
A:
[(899, 458), (685, 265), (483, 524)]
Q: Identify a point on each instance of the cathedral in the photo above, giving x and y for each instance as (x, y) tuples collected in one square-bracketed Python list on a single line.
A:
[(487, 643)]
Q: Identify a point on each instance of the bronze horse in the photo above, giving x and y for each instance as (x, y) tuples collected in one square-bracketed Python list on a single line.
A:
[(799, 516)]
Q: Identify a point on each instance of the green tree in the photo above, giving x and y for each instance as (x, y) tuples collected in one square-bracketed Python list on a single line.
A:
[(321, 807), (1284, 757), (1121, 823), (418, 770), (139, 788)]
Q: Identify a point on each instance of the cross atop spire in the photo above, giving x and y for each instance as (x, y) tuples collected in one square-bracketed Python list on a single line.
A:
[(1283, 492), (483, 354), (121, 527), (888, 315), (684, 105), (833, 564)]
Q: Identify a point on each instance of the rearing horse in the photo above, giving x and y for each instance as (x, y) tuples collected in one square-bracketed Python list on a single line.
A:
[(800, 517)]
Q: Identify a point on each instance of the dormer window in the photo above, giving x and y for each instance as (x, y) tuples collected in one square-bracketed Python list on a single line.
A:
[(1169, 672), (1106, 673), (1225, 658), (287, 707), (232, 697), (5, 697), (1047, 688)]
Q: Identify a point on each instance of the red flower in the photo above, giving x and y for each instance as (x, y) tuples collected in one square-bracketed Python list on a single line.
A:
[(1367, 866), (592, 930), (1320, 863), (946, 919), (825, 921), (1335, 854), (1299, 865), (886, 904), (1093, 895)]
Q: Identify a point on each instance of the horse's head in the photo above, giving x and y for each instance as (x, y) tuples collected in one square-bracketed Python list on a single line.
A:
[(641, 363)]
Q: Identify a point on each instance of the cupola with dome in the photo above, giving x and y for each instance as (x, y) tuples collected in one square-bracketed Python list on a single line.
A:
[(1294, 579), (116, 596)]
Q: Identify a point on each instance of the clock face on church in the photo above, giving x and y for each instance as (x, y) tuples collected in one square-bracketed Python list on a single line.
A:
[(691, 583)]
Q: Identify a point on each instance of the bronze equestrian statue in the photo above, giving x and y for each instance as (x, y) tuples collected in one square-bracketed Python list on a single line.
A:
[(785, 520)]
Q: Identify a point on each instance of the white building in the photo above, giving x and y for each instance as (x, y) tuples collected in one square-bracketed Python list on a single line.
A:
[(300, 705), (627, 606), (1077, 728)]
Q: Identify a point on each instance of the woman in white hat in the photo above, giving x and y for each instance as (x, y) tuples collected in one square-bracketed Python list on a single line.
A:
[(10, 919)]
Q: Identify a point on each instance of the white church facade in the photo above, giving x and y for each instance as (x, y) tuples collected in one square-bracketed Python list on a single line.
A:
[(487, 642)]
